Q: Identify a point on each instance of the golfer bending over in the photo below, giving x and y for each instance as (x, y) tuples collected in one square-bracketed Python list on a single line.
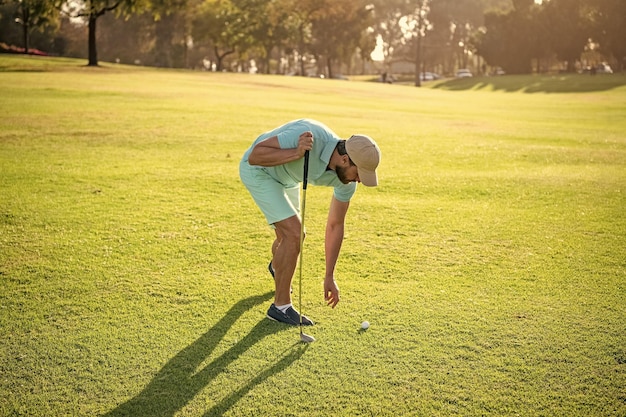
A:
[(272, 170)]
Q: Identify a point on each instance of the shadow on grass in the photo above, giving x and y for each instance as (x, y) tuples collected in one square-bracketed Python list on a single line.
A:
[(12, 69), (289, 356), (563, 83), (180, 380)]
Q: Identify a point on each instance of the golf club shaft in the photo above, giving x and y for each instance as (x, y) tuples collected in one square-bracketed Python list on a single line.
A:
[(304, 185)]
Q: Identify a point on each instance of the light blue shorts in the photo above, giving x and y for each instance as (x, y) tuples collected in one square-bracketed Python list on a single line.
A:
[(276, 201)]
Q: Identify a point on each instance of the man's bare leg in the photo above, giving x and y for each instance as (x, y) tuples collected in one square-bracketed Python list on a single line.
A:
[(286, 249)]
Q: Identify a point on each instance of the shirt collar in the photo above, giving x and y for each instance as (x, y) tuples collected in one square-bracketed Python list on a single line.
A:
[(327, 152)]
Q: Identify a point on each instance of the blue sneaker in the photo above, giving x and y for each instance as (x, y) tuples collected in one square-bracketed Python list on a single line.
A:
[(291, 316)]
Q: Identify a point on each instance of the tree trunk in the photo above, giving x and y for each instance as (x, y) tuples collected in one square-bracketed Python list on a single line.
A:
[(265, 62), (418, 58), (329, 67), (93, 53), (26, 29), (301, 50), (163, 30), (302, 69), (25, 36), (220, 58)]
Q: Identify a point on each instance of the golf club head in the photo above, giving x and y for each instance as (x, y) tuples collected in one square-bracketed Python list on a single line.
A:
[(306, 338)]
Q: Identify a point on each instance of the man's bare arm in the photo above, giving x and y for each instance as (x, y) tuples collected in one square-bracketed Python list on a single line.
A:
[(268, 153)]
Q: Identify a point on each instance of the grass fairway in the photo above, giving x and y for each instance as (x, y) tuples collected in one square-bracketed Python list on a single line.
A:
[(490, 262)]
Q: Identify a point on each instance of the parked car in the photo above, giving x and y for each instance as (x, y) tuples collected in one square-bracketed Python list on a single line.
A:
[(604, 68), (463, 73), (429, 76)]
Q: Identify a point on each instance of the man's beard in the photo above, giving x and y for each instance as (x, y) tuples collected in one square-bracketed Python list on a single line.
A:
[(341, 173)]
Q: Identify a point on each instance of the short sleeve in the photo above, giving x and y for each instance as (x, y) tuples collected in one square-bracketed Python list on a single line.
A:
[(288, 138), (344, 192)]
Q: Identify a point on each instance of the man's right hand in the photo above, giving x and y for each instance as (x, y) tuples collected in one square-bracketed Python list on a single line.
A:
[(305, 143), (331, 292)]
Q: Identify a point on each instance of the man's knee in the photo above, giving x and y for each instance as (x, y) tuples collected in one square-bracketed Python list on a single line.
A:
[(288, 231), (292, 238)]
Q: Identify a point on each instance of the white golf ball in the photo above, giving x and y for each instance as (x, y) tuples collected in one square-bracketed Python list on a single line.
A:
[(365, 325)]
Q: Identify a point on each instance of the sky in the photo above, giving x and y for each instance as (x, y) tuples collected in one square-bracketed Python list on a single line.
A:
[(377, 53)]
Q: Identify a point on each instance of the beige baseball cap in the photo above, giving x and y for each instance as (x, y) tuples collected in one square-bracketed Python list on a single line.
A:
[(365, 154)]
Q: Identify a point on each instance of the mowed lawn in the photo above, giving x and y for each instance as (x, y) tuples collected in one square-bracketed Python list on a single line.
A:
[(490, 261)]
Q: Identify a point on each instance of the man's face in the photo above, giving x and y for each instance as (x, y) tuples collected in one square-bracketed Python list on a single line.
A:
[(348, 175)]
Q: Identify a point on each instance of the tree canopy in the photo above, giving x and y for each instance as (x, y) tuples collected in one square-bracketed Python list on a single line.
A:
[(326, 36)]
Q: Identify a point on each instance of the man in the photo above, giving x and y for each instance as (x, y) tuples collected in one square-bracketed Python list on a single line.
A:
[(272, 169)]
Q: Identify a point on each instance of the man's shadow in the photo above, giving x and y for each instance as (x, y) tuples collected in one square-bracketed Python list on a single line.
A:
[(180, 380)]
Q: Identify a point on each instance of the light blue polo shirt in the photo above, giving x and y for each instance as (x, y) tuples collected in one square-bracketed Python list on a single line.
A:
[(291, 174)]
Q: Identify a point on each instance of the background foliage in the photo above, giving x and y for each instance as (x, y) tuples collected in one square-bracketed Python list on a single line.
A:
[(324, 37)]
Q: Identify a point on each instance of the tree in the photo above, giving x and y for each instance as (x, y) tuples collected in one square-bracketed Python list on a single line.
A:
[(338, 28), (34, 14), (128, 40), (169, 29), (569, 29), (402, 24), (220, 23), (274, 30), (447, 30), (540, 48), (388, 15), (506, 40), (609, 28), (302, 16), (419, 22), (91, 11), (454, 23)]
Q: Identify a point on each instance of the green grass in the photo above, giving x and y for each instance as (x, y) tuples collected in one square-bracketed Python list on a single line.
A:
[(490, 262)]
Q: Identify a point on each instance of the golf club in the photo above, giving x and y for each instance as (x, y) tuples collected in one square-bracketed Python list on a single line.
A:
[(303, 337)]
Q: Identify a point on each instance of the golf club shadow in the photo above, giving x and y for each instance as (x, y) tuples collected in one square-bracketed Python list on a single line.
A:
[(289, 356), (180, 380)]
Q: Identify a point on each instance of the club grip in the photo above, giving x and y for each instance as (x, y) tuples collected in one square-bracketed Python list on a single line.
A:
[(306, 170)]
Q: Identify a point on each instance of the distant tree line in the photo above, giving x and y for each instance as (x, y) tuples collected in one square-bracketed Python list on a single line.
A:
[(565, 30), (327, 37)]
